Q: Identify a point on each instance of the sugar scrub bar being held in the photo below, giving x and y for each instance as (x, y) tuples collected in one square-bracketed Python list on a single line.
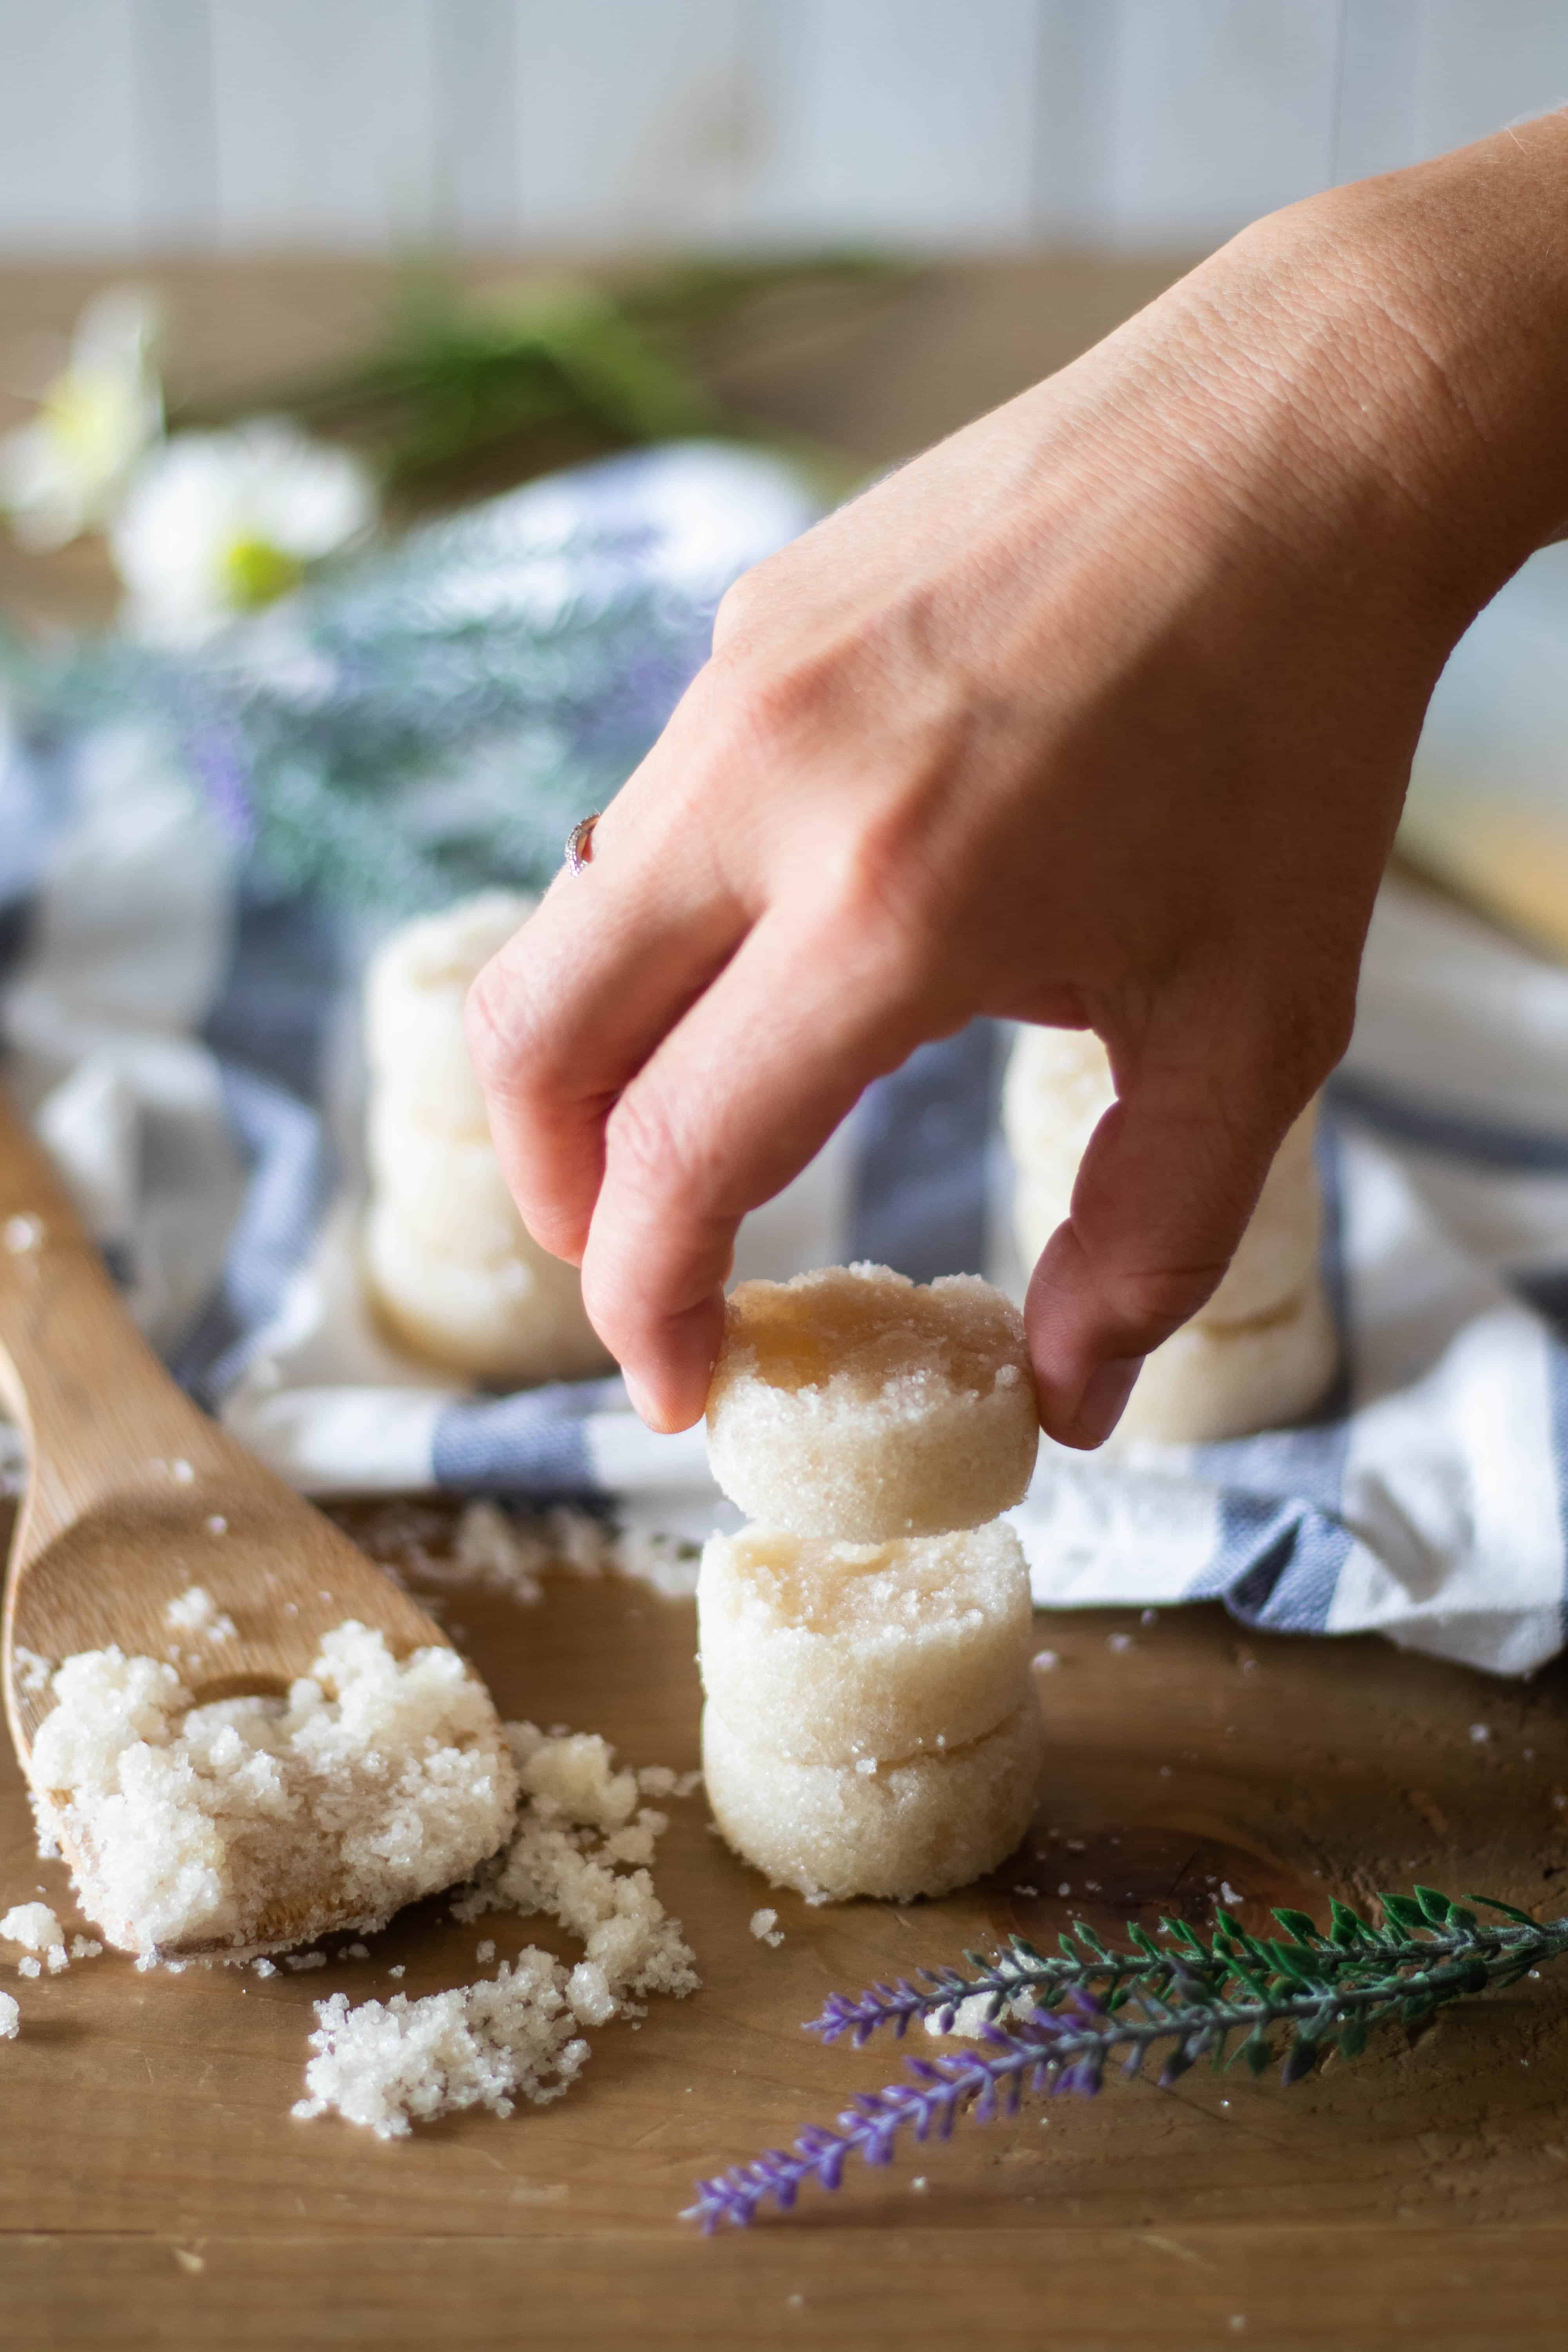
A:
[(854, 1404)]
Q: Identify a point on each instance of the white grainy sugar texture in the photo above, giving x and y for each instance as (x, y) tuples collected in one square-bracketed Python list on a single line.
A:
[(831, 1652), (34, 1927), (32, 1671), (764, 1926), (897, 1831), (251, 1824), (578, 1854), (196, 1611), (855, 1405), (10, 2017)]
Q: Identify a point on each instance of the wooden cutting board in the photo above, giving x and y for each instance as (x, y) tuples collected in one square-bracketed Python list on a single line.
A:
[(154, 2190)]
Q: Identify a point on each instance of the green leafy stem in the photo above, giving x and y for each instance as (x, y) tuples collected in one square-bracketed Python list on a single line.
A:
[(1054, 2022)]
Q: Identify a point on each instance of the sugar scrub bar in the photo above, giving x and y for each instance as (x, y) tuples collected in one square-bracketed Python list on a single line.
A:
[(517, 1316), (1058, 1088), (897, 1831), (1214, 1381), (1260, 1353), (831, 1652), (414, 989), (854, 1404), (447, 1260), (248, 1824)]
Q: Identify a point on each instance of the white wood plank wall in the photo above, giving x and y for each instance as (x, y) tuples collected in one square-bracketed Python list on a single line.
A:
[(244, 125)]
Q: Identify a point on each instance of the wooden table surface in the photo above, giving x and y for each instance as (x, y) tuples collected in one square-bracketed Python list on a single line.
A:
[(154, 2190)]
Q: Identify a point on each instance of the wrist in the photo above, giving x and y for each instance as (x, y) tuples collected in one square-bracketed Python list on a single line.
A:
[(1453, 286)]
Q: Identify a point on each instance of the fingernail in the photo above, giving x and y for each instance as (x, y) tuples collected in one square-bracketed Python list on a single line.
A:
[(642, 1402), (688, 1348), (1104, 1400)]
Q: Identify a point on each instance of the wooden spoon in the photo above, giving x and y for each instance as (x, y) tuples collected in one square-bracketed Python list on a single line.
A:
[(134, 1494)]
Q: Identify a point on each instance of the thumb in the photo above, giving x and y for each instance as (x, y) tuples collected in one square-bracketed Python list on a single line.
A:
[(1170, 1177)]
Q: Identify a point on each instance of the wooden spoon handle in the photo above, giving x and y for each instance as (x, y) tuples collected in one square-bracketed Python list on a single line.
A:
[(89, 1392)]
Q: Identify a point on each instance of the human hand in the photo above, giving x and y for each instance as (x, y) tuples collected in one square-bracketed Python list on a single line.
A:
[(1098, 714)]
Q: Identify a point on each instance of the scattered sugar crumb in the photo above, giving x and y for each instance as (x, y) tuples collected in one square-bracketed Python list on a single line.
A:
[(10, 2017), (971, 2016), (1065, 1888), (388, 2066), (196, 1611), (665, 1564), (28, 1967), (34, 1674), (486, 1951), (1150, 1617), (1119, 1641), (866, 1765), (1227, 1893), (34, 1927), (217, 1525), (1026, 1890), (181, 1472), (190, 2262), (398, 1971), (688, 1784), (354, 1952), (21, 1234), (299, 1961), (1480, 1732), (1165, 1771), (1046, 1660), (491, 1550), (85, 1948), (264, 1968), (512, 1554), (764, 1926)]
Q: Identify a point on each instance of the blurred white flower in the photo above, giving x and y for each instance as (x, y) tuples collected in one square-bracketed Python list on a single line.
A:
[(63, 473), (222, 523)]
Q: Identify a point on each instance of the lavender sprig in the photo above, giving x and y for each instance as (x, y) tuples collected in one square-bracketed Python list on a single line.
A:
[(1222, 1999)]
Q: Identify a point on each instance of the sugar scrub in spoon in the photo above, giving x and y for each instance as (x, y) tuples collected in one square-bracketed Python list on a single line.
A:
[(249, 1824)]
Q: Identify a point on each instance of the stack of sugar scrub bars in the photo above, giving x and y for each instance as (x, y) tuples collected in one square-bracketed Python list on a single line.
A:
[(1260, 1353), (447, 1262), (871, 1726)]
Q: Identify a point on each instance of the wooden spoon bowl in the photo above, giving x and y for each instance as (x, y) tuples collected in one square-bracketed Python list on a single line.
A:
[(134, 1495)]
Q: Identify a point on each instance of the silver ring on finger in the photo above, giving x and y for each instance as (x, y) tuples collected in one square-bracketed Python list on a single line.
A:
[(579, 842)]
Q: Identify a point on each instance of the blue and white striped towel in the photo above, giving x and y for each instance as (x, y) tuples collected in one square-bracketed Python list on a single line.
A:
[(188, 1046)]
